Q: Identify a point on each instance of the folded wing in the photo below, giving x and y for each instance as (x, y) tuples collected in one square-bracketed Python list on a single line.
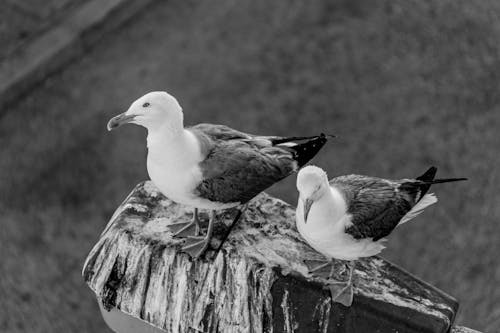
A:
[(376, 205), (238, 166)]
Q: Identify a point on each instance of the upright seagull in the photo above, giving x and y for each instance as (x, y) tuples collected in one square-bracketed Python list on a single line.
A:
[(348, 217), (210, 166)]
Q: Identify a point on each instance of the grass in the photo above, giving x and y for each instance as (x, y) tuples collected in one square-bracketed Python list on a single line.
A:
[(404, 84)]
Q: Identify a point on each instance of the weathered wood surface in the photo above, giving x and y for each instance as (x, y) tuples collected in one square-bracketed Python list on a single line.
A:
[(124, 323), (257, 282)]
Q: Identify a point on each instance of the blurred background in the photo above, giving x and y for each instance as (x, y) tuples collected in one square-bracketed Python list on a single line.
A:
[(404, 84)]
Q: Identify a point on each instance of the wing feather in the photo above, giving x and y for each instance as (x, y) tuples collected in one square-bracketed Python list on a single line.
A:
[(238, 166), (427, 200), (376, 205)]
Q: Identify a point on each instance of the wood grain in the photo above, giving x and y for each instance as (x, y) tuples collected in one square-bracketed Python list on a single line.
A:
[(257, 282)]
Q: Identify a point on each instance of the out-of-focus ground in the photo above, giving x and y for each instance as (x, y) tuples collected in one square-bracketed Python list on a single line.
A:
[(23, 20), (404, 84)]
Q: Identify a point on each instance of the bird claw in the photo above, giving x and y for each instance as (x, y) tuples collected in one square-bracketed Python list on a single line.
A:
[(195, 245), (319, 268), (184, 229), (314, 262), (342, 292)]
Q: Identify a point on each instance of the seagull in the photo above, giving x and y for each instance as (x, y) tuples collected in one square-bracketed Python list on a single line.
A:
[(209, 166), (348, 217)]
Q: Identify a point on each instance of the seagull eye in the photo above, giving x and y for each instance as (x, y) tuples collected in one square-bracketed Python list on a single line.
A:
[(145, 105)]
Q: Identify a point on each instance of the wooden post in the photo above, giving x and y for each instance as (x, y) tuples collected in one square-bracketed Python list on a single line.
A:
[(257, 282)]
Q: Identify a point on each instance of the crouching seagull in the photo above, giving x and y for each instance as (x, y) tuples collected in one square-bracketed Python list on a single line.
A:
[(210, 166), (348, 217)]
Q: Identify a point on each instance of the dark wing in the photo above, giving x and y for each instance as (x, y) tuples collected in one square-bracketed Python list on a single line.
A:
[(238, 166), (376, 205), (219, 132), (235, 171)]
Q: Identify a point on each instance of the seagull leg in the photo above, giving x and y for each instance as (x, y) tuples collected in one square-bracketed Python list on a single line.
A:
[(320, 268), (196, 245), (342, 292), (184, 229)]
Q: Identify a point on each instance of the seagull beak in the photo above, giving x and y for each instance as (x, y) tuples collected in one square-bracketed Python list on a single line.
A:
[(307, 207), (119, 120)]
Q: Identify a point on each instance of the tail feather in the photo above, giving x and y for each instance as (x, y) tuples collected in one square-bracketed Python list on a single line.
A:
[(429, 175), (444, 180), (424, 199), (304, 152), (423, 203), (427, 179)]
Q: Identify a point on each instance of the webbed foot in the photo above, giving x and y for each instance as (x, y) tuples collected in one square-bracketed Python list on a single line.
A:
[(342, 292), (320, 268), (195, 245), (185, 229)]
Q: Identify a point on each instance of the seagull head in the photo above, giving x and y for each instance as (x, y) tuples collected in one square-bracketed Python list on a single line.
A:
[(312, 183), (155, 110)]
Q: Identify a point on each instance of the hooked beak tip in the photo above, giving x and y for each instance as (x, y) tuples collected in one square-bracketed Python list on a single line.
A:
[(110, 126), (307, 207), (119, 120)]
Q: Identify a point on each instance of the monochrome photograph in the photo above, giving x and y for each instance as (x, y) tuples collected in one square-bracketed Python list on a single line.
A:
[(249, 166)]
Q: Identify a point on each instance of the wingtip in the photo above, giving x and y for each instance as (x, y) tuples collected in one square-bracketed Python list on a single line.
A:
[(428, 175), (307, 150), (447, 180)]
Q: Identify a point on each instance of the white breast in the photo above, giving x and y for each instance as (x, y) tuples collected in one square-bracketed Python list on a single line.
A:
[(325, 229), (173, 166)]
